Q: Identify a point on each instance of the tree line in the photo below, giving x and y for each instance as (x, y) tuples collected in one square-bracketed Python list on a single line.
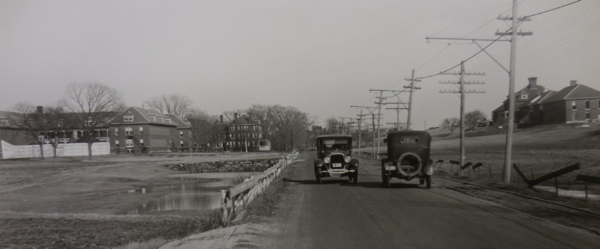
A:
[(87, 106)]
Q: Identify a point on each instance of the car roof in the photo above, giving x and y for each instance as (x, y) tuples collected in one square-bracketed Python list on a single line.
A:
[(409, 132), (334, 136)]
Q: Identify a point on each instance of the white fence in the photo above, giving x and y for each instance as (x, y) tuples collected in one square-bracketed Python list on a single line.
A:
[(235, 199), (32, 151)]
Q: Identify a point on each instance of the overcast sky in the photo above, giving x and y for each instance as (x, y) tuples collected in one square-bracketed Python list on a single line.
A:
[(320, 56)]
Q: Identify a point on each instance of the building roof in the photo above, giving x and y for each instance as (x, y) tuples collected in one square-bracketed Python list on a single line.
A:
[(244, 120), (577, 91), (146, 114), (6, 117), (181, 124)]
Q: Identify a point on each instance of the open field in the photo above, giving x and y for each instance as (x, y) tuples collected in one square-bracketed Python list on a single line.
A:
[(75, 203)]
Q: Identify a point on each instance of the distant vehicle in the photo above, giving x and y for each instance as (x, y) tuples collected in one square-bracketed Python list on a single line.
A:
[(264, 145), (333, 158), (407, 157)]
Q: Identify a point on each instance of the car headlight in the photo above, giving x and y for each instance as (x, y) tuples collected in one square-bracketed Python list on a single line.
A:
[(326, 159), (347, 159)]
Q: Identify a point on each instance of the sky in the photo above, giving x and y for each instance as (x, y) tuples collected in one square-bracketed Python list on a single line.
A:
[(321, 56)]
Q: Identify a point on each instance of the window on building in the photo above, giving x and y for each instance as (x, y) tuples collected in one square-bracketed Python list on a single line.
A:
[(574, 116), (259, 135), (181, 143), (181, 134), (246, 128), (587, 116), (129, 151), (523, 95), (127, 118), (117, 143), (506, 114), (574, 105), (88, 122), (128, 131), (116, 132), (129, 143), (587, 104), (142, 142), (141, 130)]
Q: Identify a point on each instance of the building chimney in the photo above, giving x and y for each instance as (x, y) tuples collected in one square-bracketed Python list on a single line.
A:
[(235, 116), (532, 83), (40, 109), (573, 82), (221, 119)]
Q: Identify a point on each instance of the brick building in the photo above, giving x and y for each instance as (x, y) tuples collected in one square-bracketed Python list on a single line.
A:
[(575, 103), (143, 130)]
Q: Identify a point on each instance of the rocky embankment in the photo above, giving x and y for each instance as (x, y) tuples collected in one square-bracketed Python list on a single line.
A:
[(224, 166)]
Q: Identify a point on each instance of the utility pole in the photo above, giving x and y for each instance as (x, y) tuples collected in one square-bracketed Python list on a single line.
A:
[(462, 104), (511, 86), (412, 89), (397, 108), (379, 103), (512, 75), (359, 130), (371, 110)]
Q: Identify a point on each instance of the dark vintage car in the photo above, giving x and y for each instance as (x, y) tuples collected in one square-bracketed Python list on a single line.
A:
[(407, 157), (334, 158)]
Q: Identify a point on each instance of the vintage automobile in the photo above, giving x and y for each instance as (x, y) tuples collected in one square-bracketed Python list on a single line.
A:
[(407, 157), (334, 158)]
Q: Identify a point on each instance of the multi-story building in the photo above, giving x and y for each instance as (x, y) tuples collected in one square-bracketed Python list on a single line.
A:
[(143, 130), (523, 97), (243, 134), (575, 103)]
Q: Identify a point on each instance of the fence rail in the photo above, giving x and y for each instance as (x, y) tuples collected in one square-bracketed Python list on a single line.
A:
[(235, 199)]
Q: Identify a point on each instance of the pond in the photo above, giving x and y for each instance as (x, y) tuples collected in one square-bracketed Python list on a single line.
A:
[(180, 197)]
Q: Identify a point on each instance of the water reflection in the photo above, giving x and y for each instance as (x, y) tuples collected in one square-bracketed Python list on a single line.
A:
[(191, 196)]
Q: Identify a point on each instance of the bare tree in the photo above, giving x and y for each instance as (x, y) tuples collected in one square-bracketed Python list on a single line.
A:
[(229, 116), (202, 126), (473, 118), (92, 104), (263, 114), (42, 125), (332, 125), (170, 104), (450, 124)]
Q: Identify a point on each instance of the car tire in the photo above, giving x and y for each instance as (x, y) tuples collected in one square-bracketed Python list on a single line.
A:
[(386, 180), (428, 181), (355, 177), (319, 180), (422, 180)]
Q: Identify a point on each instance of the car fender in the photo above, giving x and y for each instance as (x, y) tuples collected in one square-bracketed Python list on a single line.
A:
[(318, 163), (429, 168), (354, 163)]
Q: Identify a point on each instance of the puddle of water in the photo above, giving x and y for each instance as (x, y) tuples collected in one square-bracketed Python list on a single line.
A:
[(182, 197), (569, 193)]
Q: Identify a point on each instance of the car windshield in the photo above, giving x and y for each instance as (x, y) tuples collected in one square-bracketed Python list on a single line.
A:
[(335, 144)]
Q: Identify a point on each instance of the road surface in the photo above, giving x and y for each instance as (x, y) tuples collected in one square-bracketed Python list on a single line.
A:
[(338, 214)]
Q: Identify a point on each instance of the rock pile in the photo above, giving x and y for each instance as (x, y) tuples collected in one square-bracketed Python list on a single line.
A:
[(224, 166)]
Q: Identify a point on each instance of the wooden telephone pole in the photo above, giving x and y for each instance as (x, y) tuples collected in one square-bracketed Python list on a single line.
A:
[(462, 92), (412, 88)]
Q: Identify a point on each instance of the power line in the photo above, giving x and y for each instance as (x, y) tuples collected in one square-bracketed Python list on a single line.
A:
[(553, 9)]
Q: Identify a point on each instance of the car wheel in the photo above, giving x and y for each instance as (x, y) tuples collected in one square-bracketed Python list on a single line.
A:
[(355, 178), (428, 181), (421, 180), (386, 180), (319, 180)]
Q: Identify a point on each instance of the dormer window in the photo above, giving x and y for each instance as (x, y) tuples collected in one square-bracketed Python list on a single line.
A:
[(523, 95), (88, 122), (127, 118)]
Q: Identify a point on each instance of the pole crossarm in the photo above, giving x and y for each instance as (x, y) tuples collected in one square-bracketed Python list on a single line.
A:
[(458, 91), (463, 39), (466, 82), (510, 33), (465, 73), (508, 18)]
